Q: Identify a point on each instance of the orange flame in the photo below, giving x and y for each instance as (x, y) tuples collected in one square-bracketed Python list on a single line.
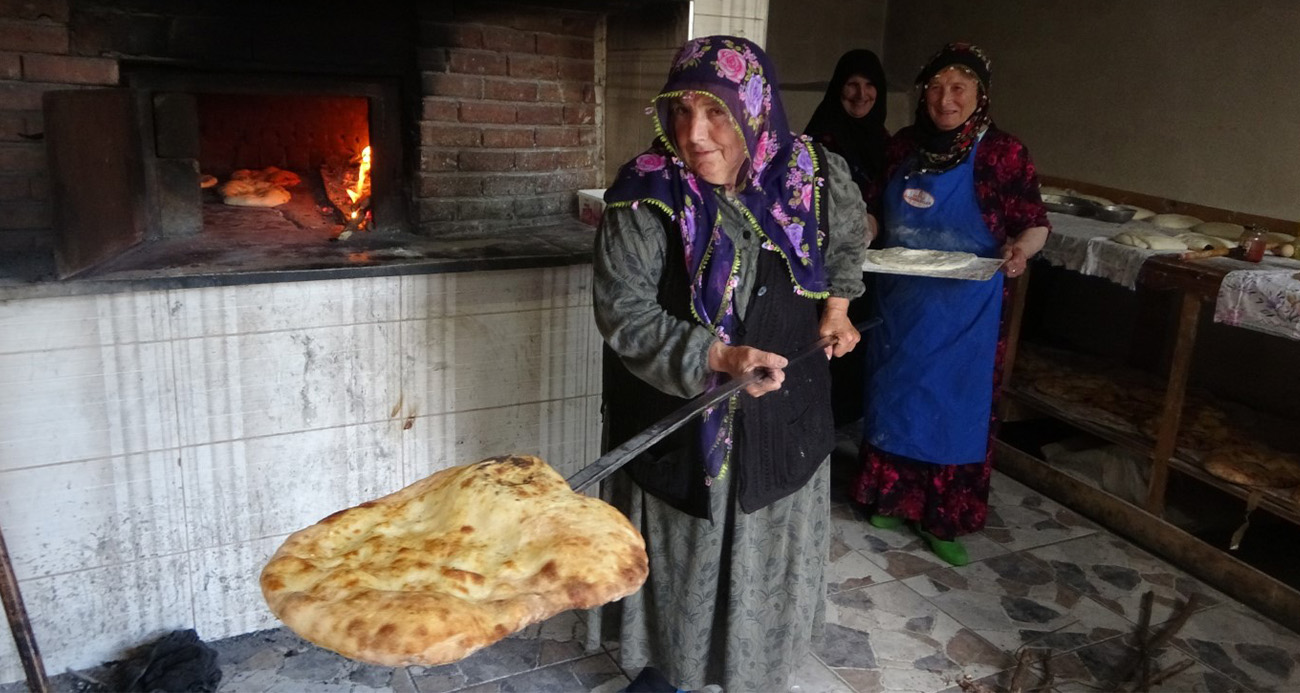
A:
[(357, 191)]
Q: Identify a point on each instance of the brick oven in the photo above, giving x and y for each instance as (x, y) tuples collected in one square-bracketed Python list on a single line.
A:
[(482, 119)]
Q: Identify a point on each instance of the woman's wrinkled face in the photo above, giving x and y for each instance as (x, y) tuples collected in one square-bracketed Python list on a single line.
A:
[(707, 138), (857, 96), (951, 97)]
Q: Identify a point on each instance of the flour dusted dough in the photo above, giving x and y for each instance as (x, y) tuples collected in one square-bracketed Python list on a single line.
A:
[(1148, 239), (1220, 229), (1200, 241), (1174, 221), (1139, 213), (452, 563), (913, 259)]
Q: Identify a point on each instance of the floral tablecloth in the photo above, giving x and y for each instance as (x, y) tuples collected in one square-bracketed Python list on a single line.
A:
[(1263, 297), (1266, 300)]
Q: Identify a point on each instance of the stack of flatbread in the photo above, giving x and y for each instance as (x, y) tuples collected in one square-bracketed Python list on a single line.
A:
[(452, 563), (262, 188)]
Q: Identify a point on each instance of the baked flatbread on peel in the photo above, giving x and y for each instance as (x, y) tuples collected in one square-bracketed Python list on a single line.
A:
[(452, 563)]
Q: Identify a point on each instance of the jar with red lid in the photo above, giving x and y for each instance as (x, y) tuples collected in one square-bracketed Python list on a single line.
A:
[(1253, 242)]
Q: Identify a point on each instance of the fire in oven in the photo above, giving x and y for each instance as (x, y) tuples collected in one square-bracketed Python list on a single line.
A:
[(185, 164), (306, 158)]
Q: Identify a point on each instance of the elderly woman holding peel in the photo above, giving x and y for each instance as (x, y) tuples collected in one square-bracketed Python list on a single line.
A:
[(953, 182), (726, 246)]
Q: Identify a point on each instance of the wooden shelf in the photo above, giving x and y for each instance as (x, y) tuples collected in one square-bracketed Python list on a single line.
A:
[(1275, 501)]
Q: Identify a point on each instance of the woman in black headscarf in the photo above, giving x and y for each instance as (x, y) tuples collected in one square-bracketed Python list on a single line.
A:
[(850, 120)]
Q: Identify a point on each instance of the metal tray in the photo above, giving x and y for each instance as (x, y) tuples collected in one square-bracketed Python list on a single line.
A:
[(980, 269), (1115, 214), (1066, 204)]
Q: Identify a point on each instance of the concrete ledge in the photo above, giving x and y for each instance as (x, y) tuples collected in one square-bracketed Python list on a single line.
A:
[(197, 263)]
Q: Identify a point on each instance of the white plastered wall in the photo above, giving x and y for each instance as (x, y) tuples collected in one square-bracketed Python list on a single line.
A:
[(156, 447)]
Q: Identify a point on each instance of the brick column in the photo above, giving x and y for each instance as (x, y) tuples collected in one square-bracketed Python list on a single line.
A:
[(34, 58), (508, 130)]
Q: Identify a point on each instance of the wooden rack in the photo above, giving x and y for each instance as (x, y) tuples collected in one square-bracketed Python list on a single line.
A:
[(1196, 283)]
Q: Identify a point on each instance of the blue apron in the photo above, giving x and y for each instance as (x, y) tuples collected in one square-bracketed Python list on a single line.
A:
[(930, 383)]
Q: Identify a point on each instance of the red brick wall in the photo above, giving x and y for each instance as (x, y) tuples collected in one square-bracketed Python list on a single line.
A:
[(34, 58), (294, 132), (508, 124)]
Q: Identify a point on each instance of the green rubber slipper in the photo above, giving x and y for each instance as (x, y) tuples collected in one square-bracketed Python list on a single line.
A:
[(951, 552), (886, 521)]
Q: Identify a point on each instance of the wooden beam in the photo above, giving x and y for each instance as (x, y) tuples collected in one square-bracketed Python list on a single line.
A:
[(1175, 392), (19, 625)]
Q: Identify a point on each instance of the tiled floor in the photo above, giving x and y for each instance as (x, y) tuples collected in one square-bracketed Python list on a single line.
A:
[(1042, 580)]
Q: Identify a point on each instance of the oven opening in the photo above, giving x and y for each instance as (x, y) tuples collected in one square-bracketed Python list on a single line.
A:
[(284, 166), (225, 171)]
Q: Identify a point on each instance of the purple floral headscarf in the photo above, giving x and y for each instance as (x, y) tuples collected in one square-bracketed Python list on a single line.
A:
[(780, 186)]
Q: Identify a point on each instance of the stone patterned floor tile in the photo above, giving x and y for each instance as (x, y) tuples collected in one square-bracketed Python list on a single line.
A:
[(849, 569), (595, 673), (557, 640), (279, 660), (1237, 641), (899, 551), (1020, 518), (1102, 666), (813, 676), (1015, 602), (1117, 574), (886, 637)]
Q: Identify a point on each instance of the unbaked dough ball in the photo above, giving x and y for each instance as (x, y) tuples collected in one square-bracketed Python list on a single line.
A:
[(1174, 221), (1139, 213), (1221, 229)]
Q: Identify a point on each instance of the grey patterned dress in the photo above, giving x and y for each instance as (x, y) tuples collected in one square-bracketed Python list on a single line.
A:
[(734, 602)]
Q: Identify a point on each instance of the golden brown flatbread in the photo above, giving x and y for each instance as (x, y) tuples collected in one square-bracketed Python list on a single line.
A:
[(1254, 466), (452, 563), (1203, 427)]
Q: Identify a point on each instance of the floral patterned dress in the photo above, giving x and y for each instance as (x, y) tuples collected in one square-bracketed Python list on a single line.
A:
[(951, 500), (750, 633)]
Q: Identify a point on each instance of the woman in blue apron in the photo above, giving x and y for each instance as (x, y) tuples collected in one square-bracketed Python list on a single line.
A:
[(953, 182)]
